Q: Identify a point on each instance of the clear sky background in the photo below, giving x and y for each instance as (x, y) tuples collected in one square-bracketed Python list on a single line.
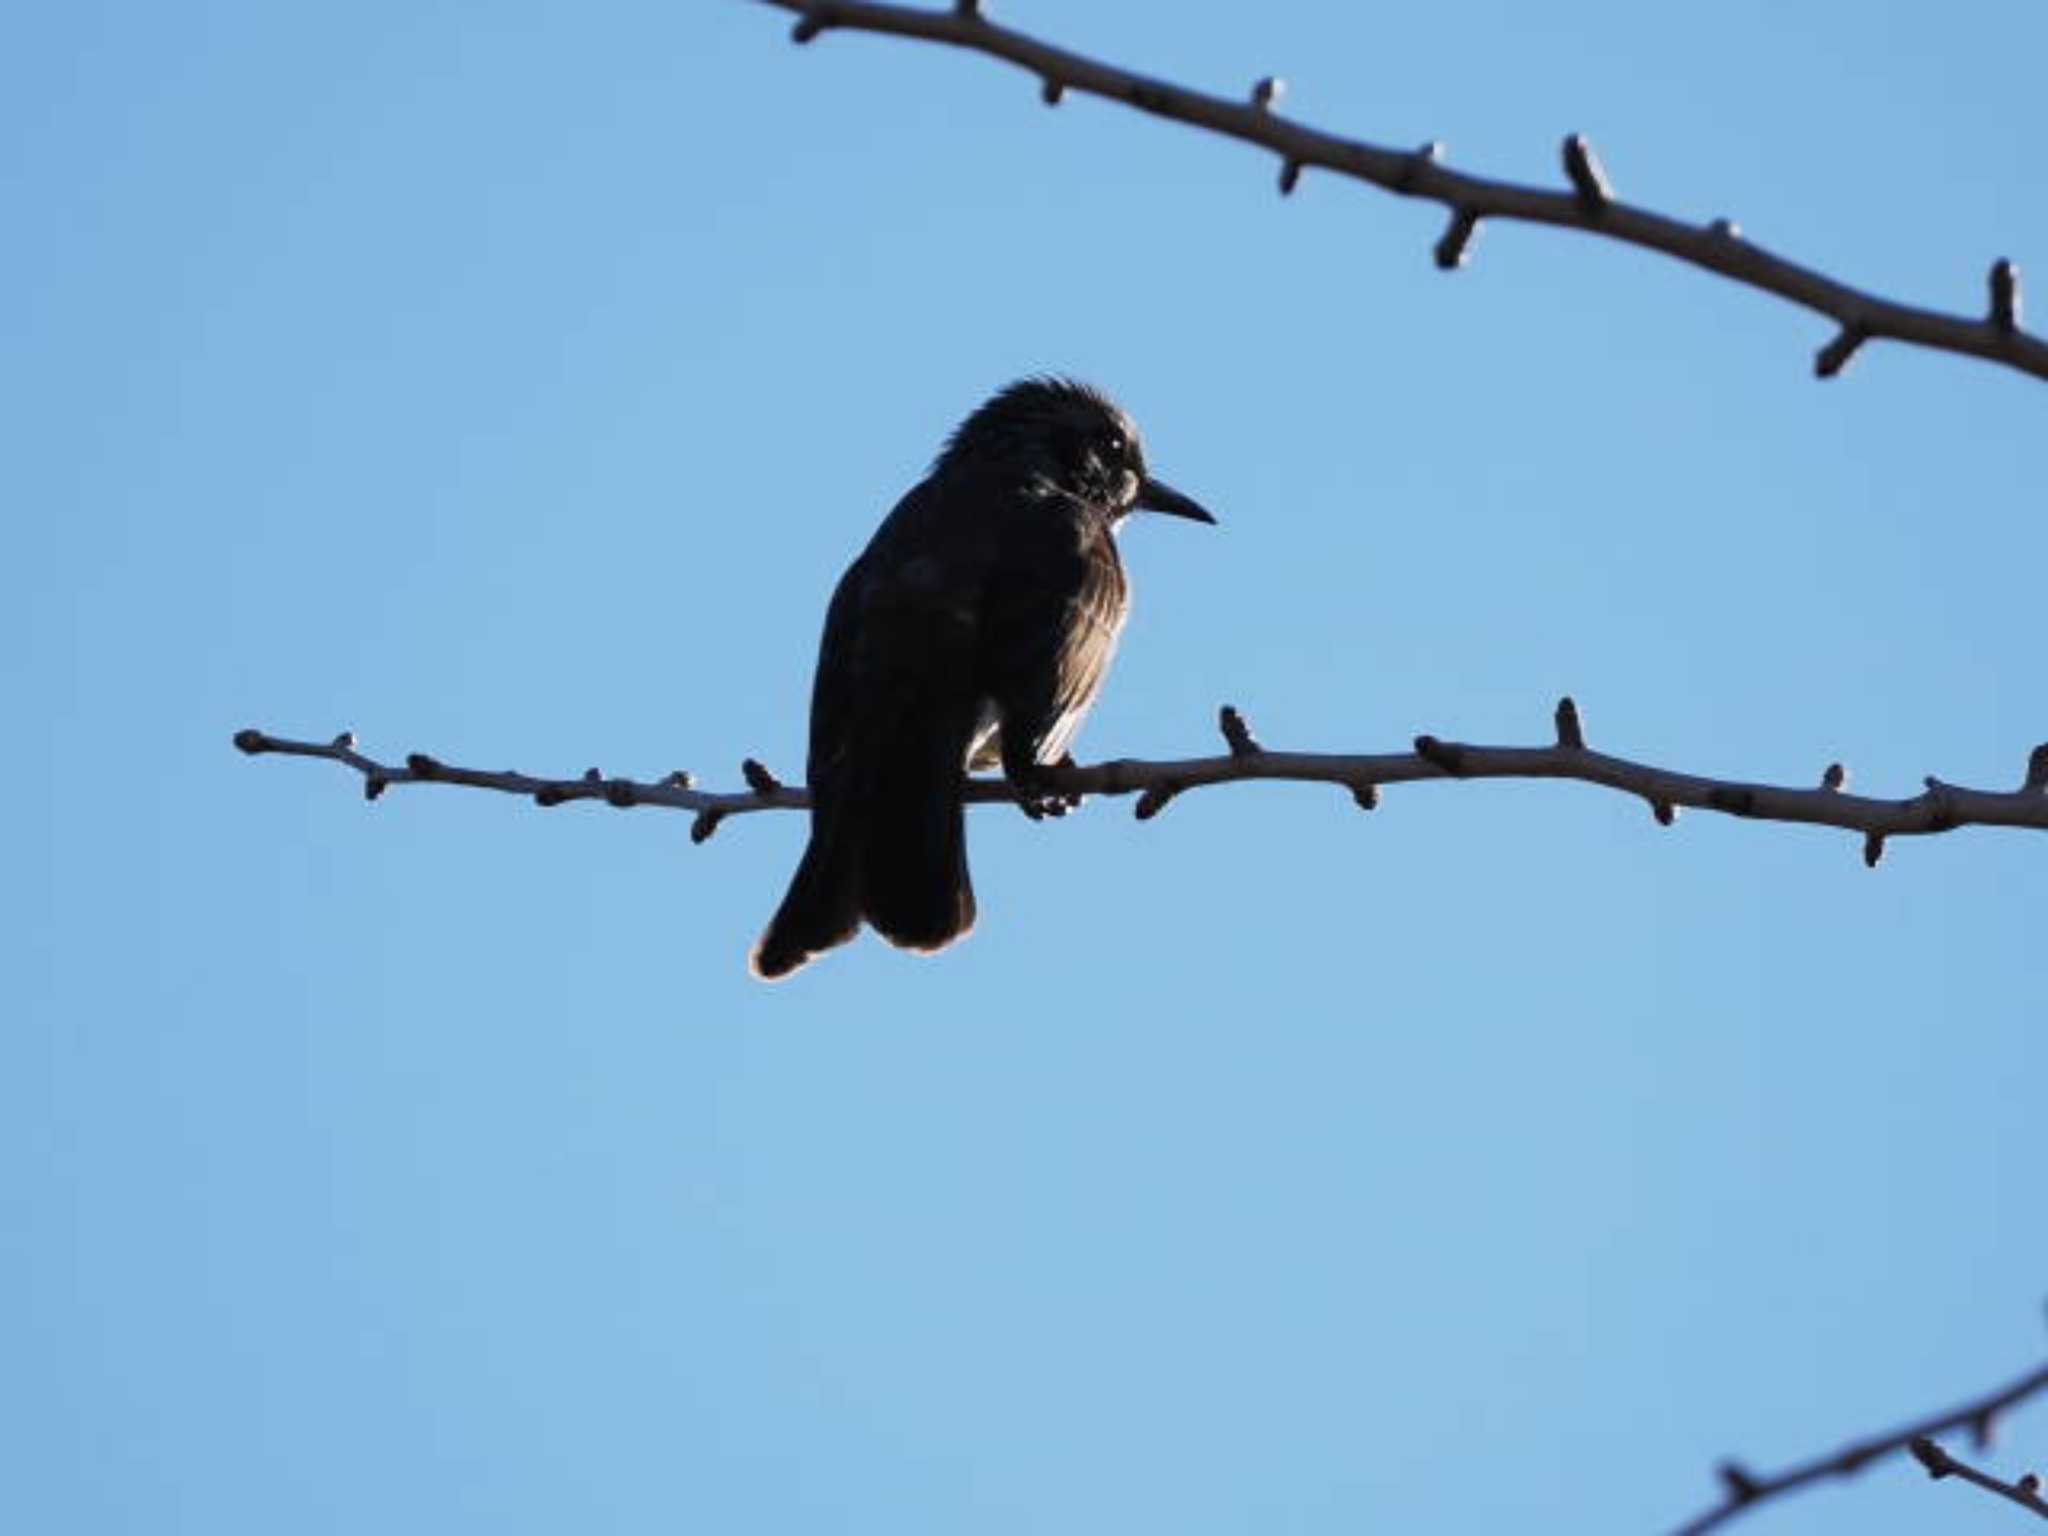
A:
[(512, 383)]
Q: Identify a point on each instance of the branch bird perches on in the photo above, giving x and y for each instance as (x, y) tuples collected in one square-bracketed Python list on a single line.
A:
[(1940, 807), (1589, 205)]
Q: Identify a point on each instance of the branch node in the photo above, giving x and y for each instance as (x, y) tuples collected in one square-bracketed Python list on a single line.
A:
[(1457, 239), (2005, 296), (1446, 755), (705, 824), (1570, 734), (1236, 733), (621, 793), (1425, 156), (1367, 796), (1873, 849), (1267, 92), (1589, 177), (1833, 778), (421, 766), (1290, 176), (548, 795), (1155, 799), (253, 741), (759, 779), (1834, 357), (1735, 1478), (1051, 91), (1939, 1463), (2037, 769)]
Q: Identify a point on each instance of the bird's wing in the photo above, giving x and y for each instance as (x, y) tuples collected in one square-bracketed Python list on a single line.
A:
[(1053, 615), (900, 631)]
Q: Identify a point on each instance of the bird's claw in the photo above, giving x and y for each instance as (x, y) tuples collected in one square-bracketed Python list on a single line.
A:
[(1036, 795)]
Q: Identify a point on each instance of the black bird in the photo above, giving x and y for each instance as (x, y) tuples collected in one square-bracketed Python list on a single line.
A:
[(974, 629)]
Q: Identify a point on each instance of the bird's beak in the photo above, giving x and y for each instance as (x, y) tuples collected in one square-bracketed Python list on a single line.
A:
[(1158, 496)]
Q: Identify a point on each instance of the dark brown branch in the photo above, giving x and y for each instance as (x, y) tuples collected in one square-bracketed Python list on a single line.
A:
[(1743, 1490), (2025, 1492), (1589, 204), (1941, 807)]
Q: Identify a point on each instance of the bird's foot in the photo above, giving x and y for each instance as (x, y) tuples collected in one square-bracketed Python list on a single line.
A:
[(1035, 785)]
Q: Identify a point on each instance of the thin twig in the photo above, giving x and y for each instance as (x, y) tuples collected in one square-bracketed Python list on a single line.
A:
[(1589, 205), (2026, 1492), (1743, 1490), (1939, 808)]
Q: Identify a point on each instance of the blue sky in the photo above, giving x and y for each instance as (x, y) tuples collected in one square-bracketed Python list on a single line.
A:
[(515, 387)]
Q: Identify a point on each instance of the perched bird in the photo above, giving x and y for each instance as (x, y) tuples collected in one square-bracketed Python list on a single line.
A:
[(974, 629)]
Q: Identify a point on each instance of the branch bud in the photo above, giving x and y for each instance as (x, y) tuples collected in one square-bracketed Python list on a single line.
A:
[(1367, 796), (1589, 178), (1939, 1463), (1834, 778), (758, 778), (1457, 239), (251, 741), (1155, 799), (1446, 755), (705, 824), (1236, 733), (680, 779), (1570, 733), (374, 785), (1412, 168), (1834, 357), (1051, 91), (808, 25), (2037, 769), (1873, 849), (2005, 296), (1738, 1482), (1665, 812), (1290, 175), (1266, 93), (421, 766)]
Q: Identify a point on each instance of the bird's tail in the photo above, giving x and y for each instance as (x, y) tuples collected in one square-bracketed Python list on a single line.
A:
[(888, 843), (914, 883), (822, 907)]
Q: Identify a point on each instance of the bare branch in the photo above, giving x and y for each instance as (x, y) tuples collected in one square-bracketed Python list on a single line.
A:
[(1941, 807), (1743, 1490), (1589, 205), (2026, 1492)]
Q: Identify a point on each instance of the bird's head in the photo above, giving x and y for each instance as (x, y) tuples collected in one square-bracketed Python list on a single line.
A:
[(1071, 437)]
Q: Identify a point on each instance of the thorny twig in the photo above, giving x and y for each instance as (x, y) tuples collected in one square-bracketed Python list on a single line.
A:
[(1939, 808), (2025, 1491), (1589, 205), (1743, 1490)]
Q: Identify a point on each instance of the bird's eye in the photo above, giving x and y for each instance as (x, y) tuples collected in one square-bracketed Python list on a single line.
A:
[(1115, 443)]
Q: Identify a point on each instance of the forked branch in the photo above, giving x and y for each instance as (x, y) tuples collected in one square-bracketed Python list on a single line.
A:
[(1940, 807), (1743, 1490), (1588, 204)]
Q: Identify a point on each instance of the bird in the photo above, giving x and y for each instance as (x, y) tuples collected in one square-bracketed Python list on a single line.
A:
[(973, 631)]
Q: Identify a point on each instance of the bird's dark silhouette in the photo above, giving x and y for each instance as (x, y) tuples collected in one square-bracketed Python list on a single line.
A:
[(974, 629)]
